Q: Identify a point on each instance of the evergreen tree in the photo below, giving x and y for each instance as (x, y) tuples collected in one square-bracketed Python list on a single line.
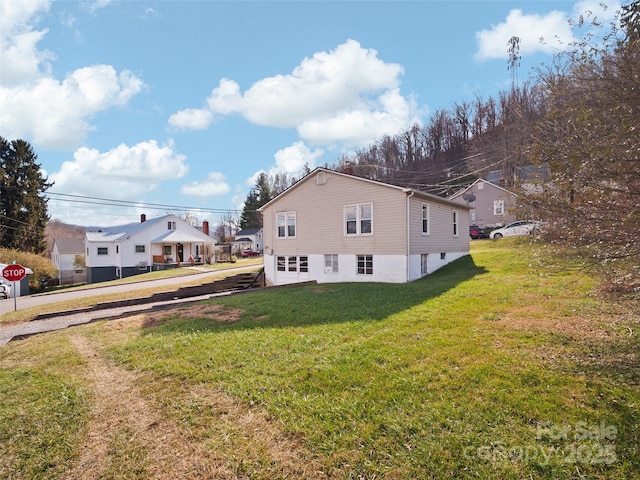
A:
[(259, 195), (23, 208)]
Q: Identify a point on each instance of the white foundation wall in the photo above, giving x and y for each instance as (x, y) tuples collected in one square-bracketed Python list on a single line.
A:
[(386, 269), (434, 262)]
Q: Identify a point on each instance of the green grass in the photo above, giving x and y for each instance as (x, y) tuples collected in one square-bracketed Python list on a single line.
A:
[(43, 407), (505, 364)]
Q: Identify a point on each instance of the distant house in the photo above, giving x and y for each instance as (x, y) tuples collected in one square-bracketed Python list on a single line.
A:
[(69, 258), (335, 227), (490, 205), (248, 239), (155, 244)]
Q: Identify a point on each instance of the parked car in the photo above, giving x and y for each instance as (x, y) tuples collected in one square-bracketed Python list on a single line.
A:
[(522, 227), (476, 232), (5, 290), (249, 253)]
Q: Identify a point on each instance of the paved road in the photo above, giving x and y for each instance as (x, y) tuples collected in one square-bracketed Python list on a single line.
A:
[(63, 296), (65, 320)]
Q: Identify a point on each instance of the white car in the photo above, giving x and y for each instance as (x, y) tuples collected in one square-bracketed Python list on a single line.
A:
[(523, 227), (5, 290)]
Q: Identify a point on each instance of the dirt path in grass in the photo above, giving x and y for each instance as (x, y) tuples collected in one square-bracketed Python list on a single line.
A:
[(129, 437)]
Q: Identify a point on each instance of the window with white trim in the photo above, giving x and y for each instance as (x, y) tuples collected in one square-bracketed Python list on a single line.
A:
[(364, 264), (498, 207), (331, 264), (286, 224), (455, 223), (103, 251), (292, 264), (358, 219), (171, 225), (425, 218), (140, 249)]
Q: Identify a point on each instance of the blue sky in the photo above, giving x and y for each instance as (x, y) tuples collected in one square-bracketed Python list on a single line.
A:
[(162, 104)]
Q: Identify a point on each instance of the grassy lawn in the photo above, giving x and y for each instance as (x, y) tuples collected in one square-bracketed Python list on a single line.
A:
[(505, 364)]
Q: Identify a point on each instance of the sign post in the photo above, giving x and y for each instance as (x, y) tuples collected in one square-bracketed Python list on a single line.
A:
[(14, 273)]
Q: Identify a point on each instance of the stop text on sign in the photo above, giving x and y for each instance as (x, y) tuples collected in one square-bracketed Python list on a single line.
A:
[(14, 273)]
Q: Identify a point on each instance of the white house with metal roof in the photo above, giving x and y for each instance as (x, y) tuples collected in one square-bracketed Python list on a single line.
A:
[(154, 244)]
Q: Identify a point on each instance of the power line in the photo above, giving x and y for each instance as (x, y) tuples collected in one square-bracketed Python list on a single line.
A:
[(84, 199)]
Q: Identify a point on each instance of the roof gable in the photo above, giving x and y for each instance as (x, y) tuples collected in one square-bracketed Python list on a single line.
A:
[(485, 183), (69, 245), (404, 190)]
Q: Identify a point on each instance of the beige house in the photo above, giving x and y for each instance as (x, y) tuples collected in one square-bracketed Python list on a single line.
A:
[(334, 227), (490, 205)]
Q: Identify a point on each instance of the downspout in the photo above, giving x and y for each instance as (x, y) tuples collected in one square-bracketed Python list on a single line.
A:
[(409, 233)]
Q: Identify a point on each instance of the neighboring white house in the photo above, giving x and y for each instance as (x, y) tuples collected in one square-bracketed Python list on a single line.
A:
[(335, 227), (155, 244), (249, 239), (490, 205), (69, 258)]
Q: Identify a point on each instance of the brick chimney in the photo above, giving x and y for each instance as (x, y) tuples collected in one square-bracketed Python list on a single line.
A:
[(205, 227), (143, 218)]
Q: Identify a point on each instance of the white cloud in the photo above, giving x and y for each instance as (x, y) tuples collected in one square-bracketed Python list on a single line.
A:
[(121, 173), (604, 11), (191, 119), (53, 114), (214, 185), (95, 5), (349, 92), (292, 159), (553, 27)]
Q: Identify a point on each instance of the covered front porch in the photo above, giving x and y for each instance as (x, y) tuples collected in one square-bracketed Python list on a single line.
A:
[(176, 249)]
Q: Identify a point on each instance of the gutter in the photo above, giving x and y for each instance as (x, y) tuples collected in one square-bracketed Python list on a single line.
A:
[(411, 193)]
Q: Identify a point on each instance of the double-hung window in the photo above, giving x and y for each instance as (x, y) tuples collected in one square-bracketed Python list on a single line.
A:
[(425, 218), (498, 207), (358, 219), (286, 224)]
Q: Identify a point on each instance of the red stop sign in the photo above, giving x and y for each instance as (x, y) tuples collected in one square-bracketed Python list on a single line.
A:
[(14, 273)]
